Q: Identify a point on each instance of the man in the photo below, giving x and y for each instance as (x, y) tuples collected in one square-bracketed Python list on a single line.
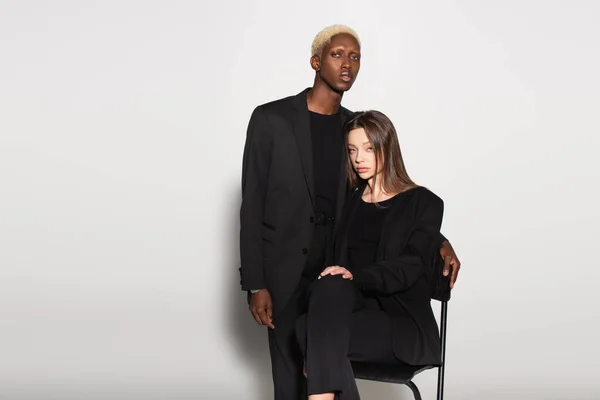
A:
[(293, 191)]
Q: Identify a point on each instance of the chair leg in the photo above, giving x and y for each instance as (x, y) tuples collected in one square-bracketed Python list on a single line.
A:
[(415, 390)]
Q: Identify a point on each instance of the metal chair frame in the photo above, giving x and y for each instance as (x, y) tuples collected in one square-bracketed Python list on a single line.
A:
[(441, 369)]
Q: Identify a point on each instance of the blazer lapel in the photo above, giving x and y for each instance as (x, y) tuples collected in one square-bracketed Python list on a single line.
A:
[(341, 236), (301, 125), (343, 189)]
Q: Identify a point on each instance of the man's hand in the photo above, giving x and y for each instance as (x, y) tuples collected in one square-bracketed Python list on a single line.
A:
[(450, 259), (261, 308), (336, 270)]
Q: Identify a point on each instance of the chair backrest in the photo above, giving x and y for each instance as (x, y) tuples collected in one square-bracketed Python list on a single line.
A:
[(440, 290)]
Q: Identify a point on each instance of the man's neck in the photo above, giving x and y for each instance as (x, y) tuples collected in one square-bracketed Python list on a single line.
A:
[(322, 100)]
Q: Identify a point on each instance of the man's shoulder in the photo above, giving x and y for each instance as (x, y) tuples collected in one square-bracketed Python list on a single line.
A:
[(279, 106), (274, 104), (346, 113)]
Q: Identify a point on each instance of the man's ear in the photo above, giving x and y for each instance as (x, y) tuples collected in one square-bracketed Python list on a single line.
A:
[(315, 63)]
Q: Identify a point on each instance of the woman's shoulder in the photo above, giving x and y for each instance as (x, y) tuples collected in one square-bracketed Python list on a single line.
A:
[(425, 195)]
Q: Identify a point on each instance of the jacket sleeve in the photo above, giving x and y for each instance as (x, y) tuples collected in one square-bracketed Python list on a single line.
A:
[(255, 173), (400, 272), (426, 238)]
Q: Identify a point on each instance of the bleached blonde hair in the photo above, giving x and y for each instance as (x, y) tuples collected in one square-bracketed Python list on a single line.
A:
[(323, 38)]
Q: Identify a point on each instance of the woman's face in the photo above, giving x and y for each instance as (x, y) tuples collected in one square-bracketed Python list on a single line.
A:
[(361, 154)]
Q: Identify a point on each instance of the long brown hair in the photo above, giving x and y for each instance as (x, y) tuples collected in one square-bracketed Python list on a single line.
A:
[(384, 140)]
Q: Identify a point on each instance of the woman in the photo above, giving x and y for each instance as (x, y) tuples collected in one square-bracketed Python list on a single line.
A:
[(373, 305)]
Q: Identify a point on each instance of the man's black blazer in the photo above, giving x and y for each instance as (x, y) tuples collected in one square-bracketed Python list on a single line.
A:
[(277, 213), (401, 277)]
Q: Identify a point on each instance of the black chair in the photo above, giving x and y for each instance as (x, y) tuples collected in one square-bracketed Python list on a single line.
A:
[(402, 374)]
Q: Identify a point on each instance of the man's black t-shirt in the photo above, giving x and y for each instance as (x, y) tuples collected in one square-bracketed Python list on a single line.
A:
[(327, 142)]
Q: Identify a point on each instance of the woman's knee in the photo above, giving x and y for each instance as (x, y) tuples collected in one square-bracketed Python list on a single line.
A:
[(332, 286)]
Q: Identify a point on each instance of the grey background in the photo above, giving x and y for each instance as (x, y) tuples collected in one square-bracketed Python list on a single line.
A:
[(122, 126)]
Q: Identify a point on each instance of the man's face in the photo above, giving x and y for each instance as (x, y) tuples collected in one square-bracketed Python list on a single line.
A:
[(339, 63)]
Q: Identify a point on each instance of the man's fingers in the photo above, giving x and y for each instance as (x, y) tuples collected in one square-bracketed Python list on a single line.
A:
[(266, 321), (455, 268), (263, 316), (255, 315), (270, 316), (446, 269), (262, 313)]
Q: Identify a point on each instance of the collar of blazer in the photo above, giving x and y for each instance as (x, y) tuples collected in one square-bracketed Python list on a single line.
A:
[(300, 103)]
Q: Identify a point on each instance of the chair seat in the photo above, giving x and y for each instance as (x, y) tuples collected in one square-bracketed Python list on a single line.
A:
[(390, 373)]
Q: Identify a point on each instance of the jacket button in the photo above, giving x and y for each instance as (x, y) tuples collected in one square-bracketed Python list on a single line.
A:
[(305, 251), (312, 219)]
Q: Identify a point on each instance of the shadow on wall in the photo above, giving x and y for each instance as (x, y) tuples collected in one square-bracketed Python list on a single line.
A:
[(250, 340)]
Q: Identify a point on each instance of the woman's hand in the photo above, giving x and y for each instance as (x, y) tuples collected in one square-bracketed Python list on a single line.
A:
[(336, 270)]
